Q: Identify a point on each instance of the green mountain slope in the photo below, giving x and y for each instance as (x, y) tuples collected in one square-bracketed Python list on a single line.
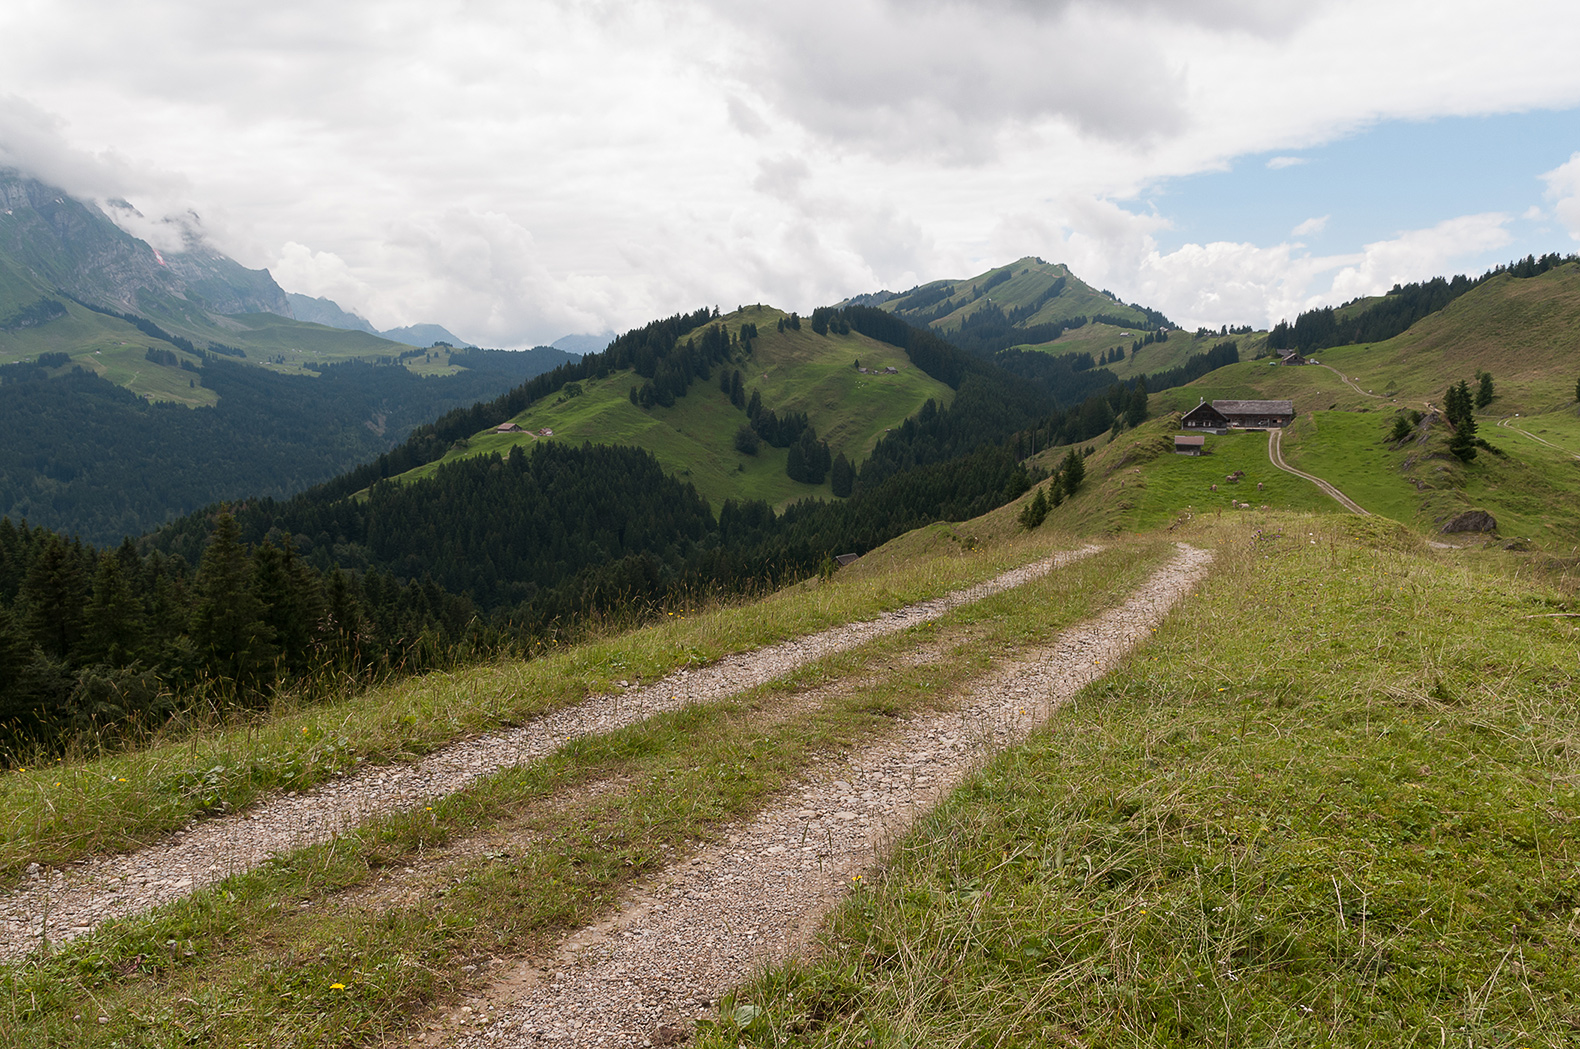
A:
[(1044, 292), (792, 370), (1524, 331)]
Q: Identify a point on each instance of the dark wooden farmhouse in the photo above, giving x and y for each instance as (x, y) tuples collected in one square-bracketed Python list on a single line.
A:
[(1205, 417), (1256, 414)]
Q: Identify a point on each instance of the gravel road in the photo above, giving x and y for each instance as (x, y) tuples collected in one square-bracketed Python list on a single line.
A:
[(683, 938), (71, 902)]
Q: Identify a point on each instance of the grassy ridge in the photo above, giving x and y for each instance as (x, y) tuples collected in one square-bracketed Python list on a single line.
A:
[(694, 440), (1335, 802)]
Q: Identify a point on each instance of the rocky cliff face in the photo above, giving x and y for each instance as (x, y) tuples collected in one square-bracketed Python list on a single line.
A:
[(73, 246)]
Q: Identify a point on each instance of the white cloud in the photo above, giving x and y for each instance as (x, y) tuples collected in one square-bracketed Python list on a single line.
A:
[(1563, 189), (1279, 163), (1312, 225), (1419, 254), (518, 170)]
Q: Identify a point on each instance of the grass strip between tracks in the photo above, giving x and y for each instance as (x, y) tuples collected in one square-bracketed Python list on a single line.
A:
[(244, 963)]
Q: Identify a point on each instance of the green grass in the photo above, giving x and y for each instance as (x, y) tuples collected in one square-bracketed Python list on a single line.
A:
[(72, 808), (266, 337), (111, 348), (1136, 483), (1335, 802), (1561, 428), (694, 439), (1349, 450), (246, 963)]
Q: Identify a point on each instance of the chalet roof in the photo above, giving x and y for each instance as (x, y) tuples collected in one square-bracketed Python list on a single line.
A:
[(1205, 410), (1190, 441), (1255, 407)]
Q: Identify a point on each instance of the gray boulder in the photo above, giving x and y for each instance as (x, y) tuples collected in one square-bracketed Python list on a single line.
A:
[(1471, 521)]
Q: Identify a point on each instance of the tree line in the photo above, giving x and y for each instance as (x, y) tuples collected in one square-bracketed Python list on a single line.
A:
[(1396, 311)]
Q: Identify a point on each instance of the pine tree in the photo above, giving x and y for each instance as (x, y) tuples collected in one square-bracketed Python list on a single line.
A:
[(227, 624), (53, 594), (293, 602), (1073, 471), (842, 476), (113, 626), (15, 652), (1035, 511), (1484, 392), (1458, 409), (795, 463)]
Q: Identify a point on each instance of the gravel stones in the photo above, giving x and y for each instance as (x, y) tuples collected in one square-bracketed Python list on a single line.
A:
[(75, 900), (683, 938)]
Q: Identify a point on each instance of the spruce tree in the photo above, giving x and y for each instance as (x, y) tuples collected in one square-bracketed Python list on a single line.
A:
[(795, 463), (1484, 392), (1458, 409), (1035, 511), (1073, 471), (228, 629), (53, 594), (113, 626), (842, 476)]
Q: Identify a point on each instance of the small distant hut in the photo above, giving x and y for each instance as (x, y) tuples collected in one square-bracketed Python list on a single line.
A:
[(844, 559), (508, 428), (1190, 444), (1293, 357)]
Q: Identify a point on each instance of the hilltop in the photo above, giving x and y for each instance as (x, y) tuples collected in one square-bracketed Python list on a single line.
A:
[(851, 389)]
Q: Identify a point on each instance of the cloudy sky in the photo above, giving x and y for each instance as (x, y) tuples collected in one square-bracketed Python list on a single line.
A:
[(518, 171)]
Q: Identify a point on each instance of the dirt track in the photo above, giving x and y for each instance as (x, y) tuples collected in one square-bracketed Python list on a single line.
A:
[(684, 937)]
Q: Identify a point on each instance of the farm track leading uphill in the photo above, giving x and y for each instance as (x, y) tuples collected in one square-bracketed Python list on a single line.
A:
[(72, 902), (688, 934)]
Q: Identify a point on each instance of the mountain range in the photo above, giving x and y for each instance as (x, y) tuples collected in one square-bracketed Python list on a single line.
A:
[(138, 384)]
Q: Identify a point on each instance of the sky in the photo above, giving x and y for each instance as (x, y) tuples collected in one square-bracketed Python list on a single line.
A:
[(519, 171)]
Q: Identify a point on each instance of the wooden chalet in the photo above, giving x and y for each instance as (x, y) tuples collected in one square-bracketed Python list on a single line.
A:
[(1293, 357), (1205, 417), (507, 428), (1190, 444), (1256, 415)]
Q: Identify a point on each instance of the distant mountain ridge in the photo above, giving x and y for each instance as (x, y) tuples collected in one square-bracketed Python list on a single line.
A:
[(50, 241), (331, 314), (54, 247)]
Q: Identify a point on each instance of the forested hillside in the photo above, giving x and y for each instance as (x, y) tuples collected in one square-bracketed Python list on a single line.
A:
[(87, 457)]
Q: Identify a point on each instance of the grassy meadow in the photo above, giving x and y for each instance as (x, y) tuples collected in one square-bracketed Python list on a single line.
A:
[(694, 439), (1333, 802)]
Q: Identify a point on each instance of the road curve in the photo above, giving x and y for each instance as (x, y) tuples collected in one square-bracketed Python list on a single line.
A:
[(1507, 426), (1352, 384), (1275, 452)]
